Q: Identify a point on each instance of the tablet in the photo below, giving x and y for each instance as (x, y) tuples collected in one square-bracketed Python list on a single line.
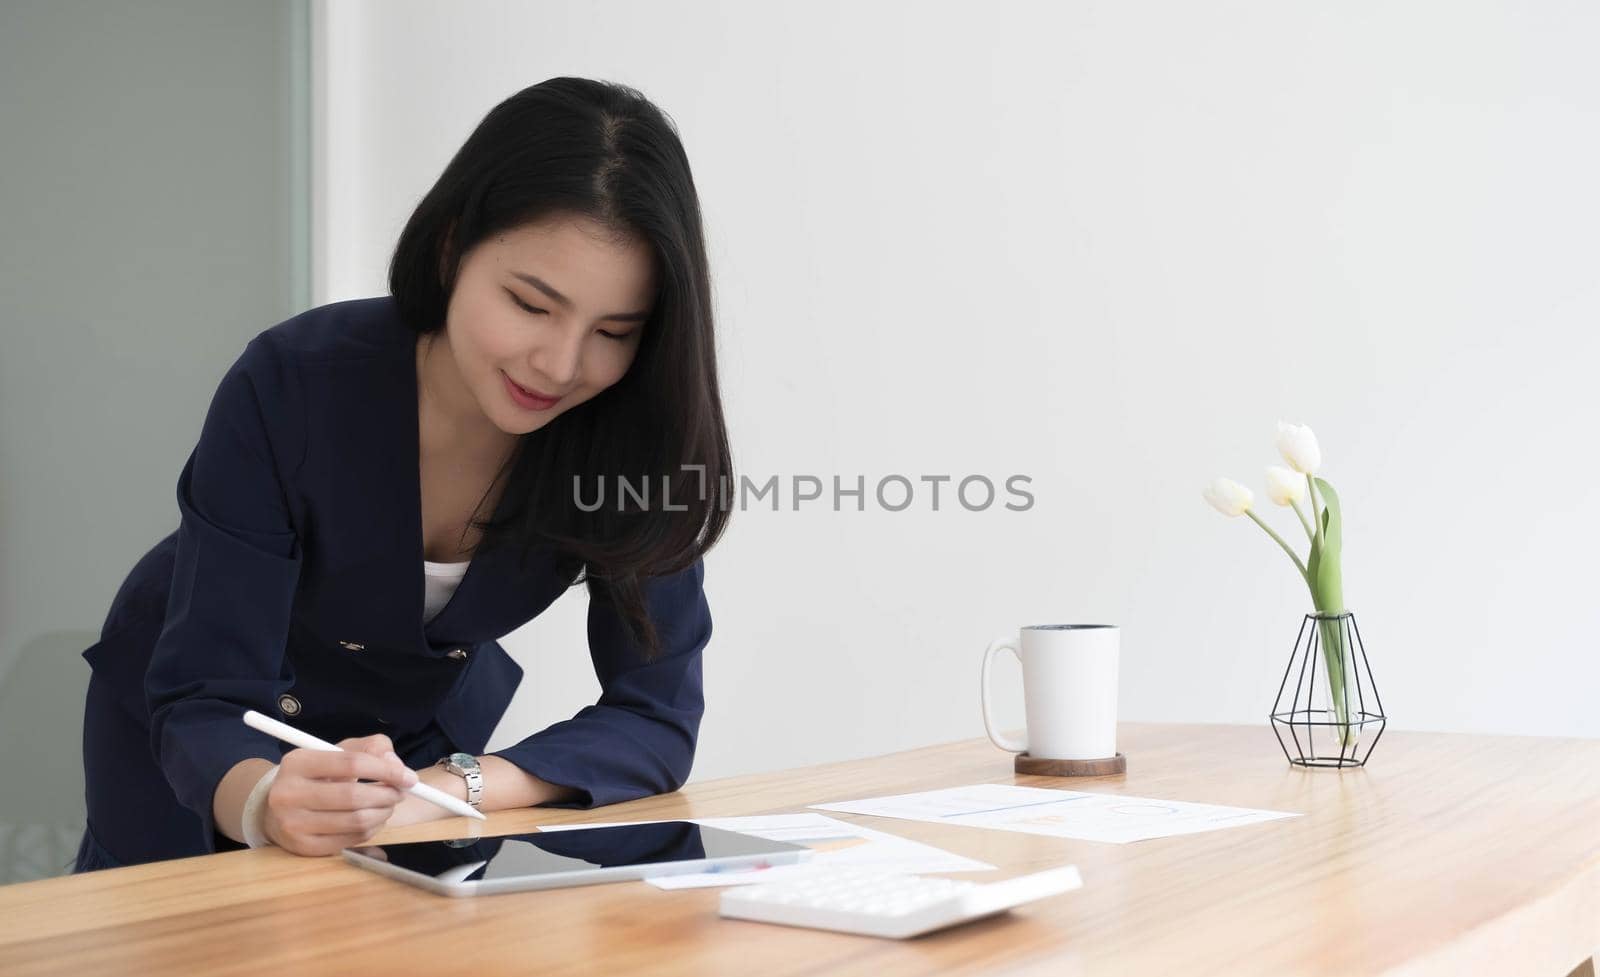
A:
[(580, 856)]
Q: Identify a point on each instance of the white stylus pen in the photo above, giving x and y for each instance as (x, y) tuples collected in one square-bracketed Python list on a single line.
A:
[(289, 734)]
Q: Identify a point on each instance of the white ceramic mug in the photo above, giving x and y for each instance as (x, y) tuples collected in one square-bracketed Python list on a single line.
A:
[(1069, 690)]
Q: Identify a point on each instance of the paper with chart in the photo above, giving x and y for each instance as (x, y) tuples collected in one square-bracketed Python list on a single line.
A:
[(1113, 818), (835, 843)]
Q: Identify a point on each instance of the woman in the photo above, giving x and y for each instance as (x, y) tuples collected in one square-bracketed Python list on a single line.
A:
[(548, 333)]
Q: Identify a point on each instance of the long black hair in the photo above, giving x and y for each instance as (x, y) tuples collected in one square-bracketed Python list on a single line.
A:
[(601, 150)]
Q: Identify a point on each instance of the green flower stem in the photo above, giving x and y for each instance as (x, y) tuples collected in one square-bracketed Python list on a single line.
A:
[(1303, 522), (1316, 520), (1334, 658), (1286, 548)]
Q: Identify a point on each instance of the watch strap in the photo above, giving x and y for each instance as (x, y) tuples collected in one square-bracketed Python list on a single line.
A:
[(473, 775)]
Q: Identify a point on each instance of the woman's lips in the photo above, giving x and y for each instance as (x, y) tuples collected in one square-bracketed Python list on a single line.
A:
[(528, 398)]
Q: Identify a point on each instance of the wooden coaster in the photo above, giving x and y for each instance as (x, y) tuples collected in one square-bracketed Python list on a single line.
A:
[(1040, 766)]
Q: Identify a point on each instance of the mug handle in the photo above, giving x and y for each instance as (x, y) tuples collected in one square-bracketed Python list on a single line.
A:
[(999, 739)]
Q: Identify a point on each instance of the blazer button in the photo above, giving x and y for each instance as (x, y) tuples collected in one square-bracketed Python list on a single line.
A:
[(459, 654), (289, 705), (351, 645)]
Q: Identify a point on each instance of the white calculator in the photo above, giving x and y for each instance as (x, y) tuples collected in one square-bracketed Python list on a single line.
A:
[(876, 903)]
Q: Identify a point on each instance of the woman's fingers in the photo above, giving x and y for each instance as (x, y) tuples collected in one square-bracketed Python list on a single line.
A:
[(324, 845), (311, 832), (344, 795), (377, 744), (380, 746), (362, 823), (343, 765), (349, 765)]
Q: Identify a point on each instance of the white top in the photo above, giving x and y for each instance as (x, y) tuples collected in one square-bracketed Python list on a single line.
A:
[(439, 583)]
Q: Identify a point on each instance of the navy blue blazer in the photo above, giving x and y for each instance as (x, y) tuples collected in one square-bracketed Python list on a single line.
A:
[(293, 585)]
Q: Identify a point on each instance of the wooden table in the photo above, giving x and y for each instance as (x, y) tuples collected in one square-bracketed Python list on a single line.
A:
[(1451, 854)]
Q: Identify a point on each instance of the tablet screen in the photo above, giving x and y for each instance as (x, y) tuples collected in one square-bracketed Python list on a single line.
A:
[(556, 852)]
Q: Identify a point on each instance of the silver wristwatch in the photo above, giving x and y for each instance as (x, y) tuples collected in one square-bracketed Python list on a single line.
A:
[(465, 765)]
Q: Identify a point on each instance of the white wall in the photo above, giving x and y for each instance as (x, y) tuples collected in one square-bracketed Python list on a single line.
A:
[(1106, 245)]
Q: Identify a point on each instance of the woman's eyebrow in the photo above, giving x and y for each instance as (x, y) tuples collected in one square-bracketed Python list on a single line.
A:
[(563, 300)]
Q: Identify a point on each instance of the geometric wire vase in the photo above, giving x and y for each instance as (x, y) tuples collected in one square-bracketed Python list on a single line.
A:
[(1335, 707)]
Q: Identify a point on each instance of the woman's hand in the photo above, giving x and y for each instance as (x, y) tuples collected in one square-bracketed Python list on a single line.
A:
[(317, 807)]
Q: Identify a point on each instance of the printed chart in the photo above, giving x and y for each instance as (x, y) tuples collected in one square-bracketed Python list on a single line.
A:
[(1114, 818)]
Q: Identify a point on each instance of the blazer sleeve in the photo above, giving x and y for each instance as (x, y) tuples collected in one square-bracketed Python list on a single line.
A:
[(221, 649), (639, 738)]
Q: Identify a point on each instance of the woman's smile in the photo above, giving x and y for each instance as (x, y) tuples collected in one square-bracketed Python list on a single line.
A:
[(528, 398)]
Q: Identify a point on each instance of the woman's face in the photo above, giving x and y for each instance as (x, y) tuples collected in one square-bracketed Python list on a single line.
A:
[(546, 316)]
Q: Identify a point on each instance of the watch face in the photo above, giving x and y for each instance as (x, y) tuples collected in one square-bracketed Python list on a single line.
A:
[(465, 761)]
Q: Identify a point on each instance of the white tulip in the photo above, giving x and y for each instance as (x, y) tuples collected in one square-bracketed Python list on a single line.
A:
[(1283, 486), (1299, 448), (1229, 497)]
